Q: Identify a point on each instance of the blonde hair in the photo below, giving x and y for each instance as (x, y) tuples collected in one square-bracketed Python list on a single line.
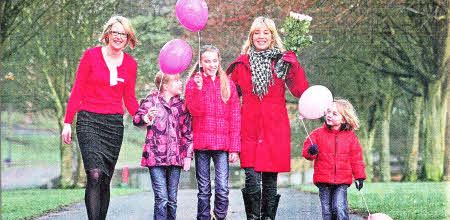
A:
[(345, 108), (276, 40), (131, 37), (225, 90), (162, 79)]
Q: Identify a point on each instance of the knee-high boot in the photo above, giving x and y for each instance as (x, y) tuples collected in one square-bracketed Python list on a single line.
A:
[(269, 207), (252, 203)]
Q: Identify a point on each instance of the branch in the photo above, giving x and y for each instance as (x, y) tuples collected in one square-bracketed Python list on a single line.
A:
[(387, 72), (406, 88)]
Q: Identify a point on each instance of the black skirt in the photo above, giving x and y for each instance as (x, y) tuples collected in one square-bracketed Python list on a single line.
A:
[(100, 139)]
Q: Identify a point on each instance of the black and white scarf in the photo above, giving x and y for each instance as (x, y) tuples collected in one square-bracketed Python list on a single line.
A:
[(260, 65)]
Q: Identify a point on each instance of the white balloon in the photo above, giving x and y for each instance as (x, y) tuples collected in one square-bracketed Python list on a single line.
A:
[(314, 102)]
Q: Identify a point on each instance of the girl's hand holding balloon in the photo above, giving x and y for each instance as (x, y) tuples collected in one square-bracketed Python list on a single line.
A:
[(152, 112), (198, 80), (150, 116), (313, 149)]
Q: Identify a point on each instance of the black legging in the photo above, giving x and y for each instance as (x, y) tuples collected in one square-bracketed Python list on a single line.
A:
[(253, 182), (97, 194)]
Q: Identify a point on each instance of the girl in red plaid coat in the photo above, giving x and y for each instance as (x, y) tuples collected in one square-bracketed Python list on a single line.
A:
[(213, 102)]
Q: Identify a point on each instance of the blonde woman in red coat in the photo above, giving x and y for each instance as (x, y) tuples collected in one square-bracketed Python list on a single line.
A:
[(213, 102), (261, 73), (337, 158)]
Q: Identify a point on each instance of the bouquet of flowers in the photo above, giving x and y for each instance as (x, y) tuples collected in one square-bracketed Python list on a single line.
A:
[(295, 30)]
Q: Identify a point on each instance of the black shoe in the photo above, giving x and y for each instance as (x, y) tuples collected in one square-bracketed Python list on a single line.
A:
[(269, 207), (252, 203)]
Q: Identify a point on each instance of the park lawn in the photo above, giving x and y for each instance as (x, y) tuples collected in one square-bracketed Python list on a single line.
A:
[(20, 204), (399, 200), (38, 149)]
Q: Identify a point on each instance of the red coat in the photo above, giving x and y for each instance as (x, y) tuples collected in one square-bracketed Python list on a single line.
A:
[(340, 156), (265, 134), (216, 124)]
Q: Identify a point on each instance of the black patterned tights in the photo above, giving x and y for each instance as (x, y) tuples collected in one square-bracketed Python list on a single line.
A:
[(97, 195)]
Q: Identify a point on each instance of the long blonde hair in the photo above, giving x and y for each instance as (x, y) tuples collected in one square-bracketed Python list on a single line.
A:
[(131, 37), (345, 108), (225, 90), (276, 40)]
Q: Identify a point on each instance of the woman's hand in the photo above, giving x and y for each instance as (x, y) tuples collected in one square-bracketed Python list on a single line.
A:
[(67, 133), (198, 80), (187, 164), (233, 157)]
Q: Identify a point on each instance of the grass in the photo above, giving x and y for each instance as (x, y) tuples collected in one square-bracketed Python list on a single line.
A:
[(37, 148), (44, 120), (419, 200), (20, 204), (32, 149)]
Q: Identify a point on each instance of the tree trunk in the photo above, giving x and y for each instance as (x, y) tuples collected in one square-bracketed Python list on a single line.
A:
[(447, 92), (412, 158), (385, 155), (434, 131), (66, 176), (447, 141), (367, 141)]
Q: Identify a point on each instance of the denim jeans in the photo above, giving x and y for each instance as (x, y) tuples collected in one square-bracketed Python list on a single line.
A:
[(165, 186), (221, 172), (334, 201)]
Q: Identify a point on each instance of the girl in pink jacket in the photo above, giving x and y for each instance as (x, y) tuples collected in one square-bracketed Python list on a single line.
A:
[(168, 143), (213, 102)]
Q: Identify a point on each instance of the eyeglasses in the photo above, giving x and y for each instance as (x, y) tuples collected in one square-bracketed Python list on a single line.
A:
[(118, 34)]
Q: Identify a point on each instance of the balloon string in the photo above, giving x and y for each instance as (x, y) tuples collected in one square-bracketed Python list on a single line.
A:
[(301, 118), (198, 34), (365, 202), (159, 90)]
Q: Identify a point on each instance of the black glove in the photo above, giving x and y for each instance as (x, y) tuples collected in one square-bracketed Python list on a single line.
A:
[(313, 150), (359, 184)]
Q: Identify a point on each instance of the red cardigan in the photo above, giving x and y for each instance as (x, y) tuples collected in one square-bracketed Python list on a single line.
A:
[(339, 159), (92, 91), (216, 124), (266, 134)]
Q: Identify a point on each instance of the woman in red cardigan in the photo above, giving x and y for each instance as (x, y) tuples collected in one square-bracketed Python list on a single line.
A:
[(213, 102), (105, 76), (261, 73)]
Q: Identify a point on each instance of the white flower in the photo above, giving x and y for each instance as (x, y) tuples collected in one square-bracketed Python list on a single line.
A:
[(300, 17)]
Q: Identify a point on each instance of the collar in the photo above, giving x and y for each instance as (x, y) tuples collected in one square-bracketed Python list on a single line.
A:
[(329, 129), (172, 101)]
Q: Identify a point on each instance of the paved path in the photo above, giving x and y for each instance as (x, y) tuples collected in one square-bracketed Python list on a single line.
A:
[(294, 205)]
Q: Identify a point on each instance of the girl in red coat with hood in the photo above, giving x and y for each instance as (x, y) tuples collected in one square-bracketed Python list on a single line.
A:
[(337, 158), (261, 73)]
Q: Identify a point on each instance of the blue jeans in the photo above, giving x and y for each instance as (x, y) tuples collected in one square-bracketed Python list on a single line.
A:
[(165, 186), (334, 201), (202, 166)]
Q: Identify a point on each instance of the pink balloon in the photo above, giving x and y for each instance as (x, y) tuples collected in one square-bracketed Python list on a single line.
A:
[(175, 56), (379, 216), (192, 14), (314, 102)]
